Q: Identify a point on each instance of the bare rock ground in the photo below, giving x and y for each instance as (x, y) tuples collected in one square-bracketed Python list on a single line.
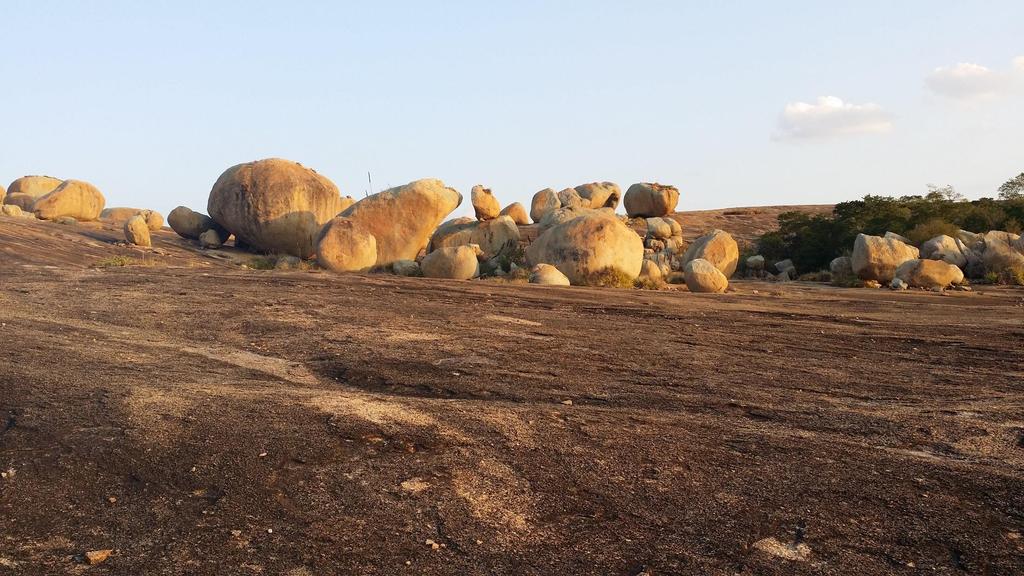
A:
[(198, 418)]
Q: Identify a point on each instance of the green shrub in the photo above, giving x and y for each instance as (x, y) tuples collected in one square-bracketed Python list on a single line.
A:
[(648, 284), (929, 229), (609, 278)]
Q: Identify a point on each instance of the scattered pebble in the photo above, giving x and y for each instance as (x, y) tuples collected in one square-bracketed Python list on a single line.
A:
[(7, 474), (236, 533), (414, 485), (263, 454), (800, 552), (270, 530), (567, 402), (433, 545)]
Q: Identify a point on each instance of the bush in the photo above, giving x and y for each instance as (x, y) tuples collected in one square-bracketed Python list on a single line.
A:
[(114, 261), (609, 278), (648, 284), (929, 229)]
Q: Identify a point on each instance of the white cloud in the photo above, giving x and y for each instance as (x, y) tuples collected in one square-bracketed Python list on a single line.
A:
[(830, 116), (967, 81), (1018, 63)]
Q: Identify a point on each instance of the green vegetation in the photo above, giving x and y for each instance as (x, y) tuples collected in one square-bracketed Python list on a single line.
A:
[(114, 261), (648, 284), (813, 241), (609, 278)]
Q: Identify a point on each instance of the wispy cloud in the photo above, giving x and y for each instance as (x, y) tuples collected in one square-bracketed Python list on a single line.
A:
[(967, 81), (828, 117)]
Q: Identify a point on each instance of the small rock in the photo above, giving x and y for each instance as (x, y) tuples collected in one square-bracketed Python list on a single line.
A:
[(95, 557), (872, 284), (567, 402), (898, 284), (799, 552)]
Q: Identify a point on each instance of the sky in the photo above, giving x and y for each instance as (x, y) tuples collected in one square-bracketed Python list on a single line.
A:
[(735, 103)]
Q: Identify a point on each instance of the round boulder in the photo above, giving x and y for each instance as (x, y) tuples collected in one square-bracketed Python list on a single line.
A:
[(945, 248), (12, 210), (590, 245), (660, 228), (136, 231), (211, 239), (877, 258), (717, 247), (517, 212), (932, 274), (703, 276), (453, 262), (1002, 251), (73, 198), (600, 194), (24, 191), (543, 203), (547, 275), (650, 199), (841, 267), (402, 219), (274, 205), (484, 203), (345, 246), (755, 263)]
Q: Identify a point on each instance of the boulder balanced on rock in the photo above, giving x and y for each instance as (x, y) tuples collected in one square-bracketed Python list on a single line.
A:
[(544, 202), (877, 258), (484, 203), (74, 199), (650, 199), (274, 205), (120, 214), (402, 219), (716, 247), (600, 194), (585, 247), (517, 212)]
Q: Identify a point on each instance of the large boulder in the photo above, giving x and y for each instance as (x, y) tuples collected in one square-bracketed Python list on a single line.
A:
[(1002, 251), (650, 199), (485, 205), (587, 246), (211, 239), (543, 203), (841, 267), (600, 194), (190, 224), (274, 205), (547, 275), (73, 198), (403, 218), (343, 245), (704, 276), (876, 258), (971, 240), (24, 191), (570, 198), (452, 262), (717, 247), (651, 272), (933, 274), (901, 238), (346, 201), (136, 231), (660, 228), (517, 212), (945, 248), (494, 237)]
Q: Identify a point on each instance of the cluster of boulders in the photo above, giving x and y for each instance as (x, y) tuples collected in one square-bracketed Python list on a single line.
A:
[(280, 207), (48, 198)]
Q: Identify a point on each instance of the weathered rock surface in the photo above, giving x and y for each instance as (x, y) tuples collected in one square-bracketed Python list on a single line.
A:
[(755, 263), (120, 214), (717, 247), (402, 219), (876, 258), (13, 210), (73, 198), (703, 276), (600, 194), (190, 224), (1002, 251), (343, 245), (588, 245), (211, 239), (136, 231), (543, 203), (650, 199), (660, 228), (485, 205), (274, 205), (406, 268), (650, 271), (453, 262), (547, 275), (895, 236), (932, 274), (517, 212), (494, 237), (841, 268), (24, 191), (945, 248)]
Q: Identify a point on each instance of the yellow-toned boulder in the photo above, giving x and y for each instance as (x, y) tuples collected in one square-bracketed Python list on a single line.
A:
[(72, 199), (588, 246), (344, 246)]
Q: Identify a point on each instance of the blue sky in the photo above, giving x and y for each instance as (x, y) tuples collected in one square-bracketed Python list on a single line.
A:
[(151, 101)]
